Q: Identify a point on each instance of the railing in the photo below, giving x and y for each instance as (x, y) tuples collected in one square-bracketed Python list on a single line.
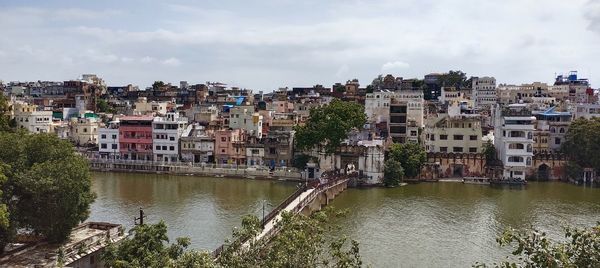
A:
[(95, 159)]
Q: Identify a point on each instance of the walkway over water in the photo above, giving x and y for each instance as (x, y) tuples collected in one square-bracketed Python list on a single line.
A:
[(306, 200)]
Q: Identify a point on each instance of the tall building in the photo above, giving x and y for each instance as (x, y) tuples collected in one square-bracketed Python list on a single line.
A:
[(454, 132), (166, 131), (513, 139), (484, 91), (108, 140), (135, 137)]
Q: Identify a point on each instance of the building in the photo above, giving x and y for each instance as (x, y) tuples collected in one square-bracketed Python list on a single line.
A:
[(586, 110), (244, 117), (229, 146), (84, 248), (196, 145), (551, 127), (279, 148), (401, 128), (166, 131), (108, 140), (484, 91), (84, 130), (454, 132), (135, 138), (27, 116), (513, 139)]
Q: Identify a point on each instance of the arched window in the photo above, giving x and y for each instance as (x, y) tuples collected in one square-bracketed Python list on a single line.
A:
[(529, 148), (562, 130), (552, 130), (528, 163), (515, 159), (529, 135)]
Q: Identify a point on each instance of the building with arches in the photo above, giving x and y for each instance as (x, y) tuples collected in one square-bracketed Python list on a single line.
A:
[(514, 127)]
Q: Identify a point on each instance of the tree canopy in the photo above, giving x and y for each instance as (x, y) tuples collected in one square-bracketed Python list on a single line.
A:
[(4, 116), (300, 243), (393, 173), (329, 125), (411, 157), (47, 188), (581, 248), (582, 143)]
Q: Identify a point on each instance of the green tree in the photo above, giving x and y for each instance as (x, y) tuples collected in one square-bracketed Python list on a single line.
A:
[(329, 125), (582, 143), (104, 107), (581, 248), (4, 114), (4, 214), (410, 155), (489, 150), (301, 242), (456, 79), (48, 187), (393, 173)]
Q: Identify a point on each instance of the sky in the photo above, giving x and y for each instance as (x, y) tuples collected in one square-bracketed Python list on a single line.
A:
[(264, 45)]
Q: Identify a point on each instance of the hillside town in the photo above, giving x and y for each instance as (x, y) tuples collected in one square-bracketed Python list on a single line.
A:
[(454, 118)]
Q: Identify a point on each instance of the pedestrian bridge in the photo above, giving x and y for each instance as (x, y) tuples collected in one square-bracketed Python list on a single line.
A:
[(309, 198)]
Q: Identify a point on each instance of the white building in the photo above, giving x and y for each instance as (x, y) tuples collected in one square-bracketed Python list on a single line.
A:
[(454, 132), (372, 162), (513, 138), (377, 105), (166, 132), (28, 117), (197, 145), (244, 117), (484, 91), (108, 140)]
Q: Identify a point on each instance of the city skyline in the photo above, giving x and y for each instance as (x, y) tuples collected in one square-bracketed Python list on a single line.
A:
[(274, 44)]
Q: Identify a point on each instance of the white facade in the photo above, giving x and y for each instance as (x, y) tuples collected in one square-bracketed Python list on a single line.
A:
[(84, 130), (372, 163), (197, 145), (166, 132), (513, 138), (484, 91), (28, 117), (244, 117), (586, 110), (377, 105), (108, 141), (255, 156)]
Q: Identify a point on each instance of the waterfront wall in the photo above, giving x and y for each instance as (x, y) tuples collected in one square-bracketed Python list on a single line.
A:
[(198, 170)]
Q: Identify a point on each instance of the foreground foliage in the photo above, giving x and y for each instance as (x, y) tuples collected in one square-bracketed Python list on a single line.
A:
[(581, 248), (46, 186), (301, 243), (329, 125)]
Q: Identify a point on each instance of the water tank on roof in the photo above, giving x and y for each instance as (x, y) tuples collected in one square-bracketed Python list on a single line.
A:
[(573, 76)]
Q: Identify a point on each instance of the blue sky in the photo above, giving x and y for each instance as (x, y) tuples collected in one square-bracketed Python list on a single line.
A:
[(264, 45)]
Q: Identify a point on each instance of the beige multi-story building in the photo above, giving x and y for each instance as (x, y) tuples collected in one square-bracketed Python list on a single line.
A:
[(454, 132), (244, 117), (484, 91), (508, 94), (84, 130), (28, 117), (377, 105)]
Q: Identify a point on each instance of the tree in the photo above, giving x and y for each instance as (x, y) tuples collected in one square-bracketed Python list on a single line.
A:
[(158, 85), (393, 173), (104, 107), (5, 230), (48, 187), (4, 115), (411, 157), (581, 248), (300, 243), (582, 143), (329, 125), (489, 150), (456, 79)]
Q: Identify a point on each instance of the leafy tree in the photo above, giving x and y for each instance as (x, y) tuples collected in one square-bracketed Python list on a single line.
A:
[(329, 125), (456, 79), (410, 155), (104, 107), (489, 150), (4, 214), (393, 173), (300, 160), (158, 84), (4, 114), (581, 248), (300, 243), (48, 187), (582, 143)]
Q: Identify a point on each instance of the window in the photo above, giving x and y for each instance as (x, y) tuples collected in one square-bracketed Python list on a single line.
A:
[(171, 148), (473, 137), (516, 146), (164, 148), (458, 137), (114, 137), (85, 129), (103, 145), (157, 147), (443, 137), (413, 133), (515, 159), (557, 141), (114, 146), (432, 137), (254, 151), (443, 149), (223, 139), (272, 151), (472, 149), (103, 136), (171, 138), (457, 149)]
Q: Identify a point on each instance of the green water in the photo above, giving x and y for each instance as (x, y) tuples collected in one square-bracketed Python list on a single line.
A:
[(422, 225)]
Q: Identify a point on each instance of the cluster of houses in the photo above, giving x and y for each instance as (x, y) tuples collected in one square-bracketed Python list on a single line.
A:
[(212, 123)]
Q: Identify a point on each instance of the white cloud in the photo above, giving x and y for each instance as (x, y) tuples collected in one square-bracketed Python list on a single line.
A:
[(394, 66), (171, 62), (147, 59)]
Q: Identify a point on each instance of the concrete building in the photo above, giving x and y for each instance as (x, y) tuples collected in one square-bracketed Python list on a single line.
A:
[(166, 131), (84, 130), (197, 145), (244, 117), (228, 146), (551, 127), (135, 137), (84, 248), (377, 105), (484, 91), (108, 141), (454, 132), (513, 139), (142, 107), (586, 110), (27, 116), (401, 128), (279, 148)]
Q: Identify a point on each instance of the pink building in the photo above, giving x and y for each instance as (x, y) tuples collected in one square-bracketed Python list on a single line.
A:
[(135, 137), (230, 146)]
